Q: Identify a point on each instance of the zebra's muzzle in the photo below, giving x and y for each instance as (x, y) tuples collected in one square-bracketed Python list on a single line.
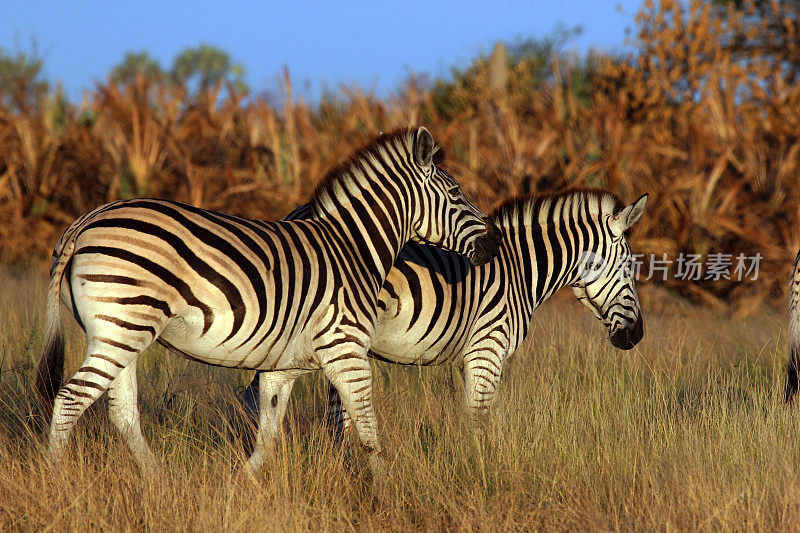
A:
[(487, 246), (627, 338)]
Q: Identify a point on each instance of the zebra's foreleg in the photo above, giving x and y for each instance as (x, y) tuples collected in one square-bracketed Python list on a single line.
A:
[(123, 411), (275, 388), (482, 370), (483, 363), (351, 374)]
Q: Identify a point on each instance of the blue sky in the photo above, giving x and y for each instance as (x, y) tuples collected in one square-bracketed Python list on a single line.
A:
[(324, 44)]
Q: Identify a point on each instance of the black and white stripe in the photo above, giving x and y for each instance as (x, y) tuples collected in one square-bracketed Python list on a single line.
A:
[(793, 367), (436, 308), (282, 297)]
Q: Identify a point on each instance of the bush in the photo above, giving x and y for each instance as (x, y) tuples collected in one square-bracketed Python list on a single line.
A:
[(704, 114)]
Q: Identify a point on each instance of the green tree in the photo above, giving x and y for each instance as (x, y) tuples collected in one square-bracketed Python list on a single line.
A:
[(207, 65), (21, 82), (136, 63), (529, 64), (536, 56)]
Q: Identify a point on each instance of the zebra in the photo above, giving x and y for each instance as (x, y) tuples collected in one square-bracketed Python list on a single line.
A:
[(435, 309), (793, 366), (285, 297)]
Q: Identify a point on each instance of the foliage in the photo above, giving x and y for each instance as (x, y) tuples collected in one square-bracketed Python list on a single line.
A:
[(530, 65), (202, 67), (207, 66), (713, 123), (21, 84), (702, 114), (137, 63)]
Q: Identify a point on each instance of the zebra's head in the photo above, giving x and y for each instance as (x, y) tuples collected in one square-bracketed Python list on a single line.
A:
[(605, 279), (445, 217)]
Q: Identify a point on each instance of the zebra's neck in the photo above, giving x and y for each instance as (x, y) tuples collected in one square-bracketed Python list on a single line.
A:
[(545, 239), (367, 209)]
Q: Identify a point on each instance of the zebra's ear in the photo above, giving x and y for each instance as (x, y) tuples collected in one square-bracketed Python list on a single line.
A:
[(627, 217), (424, 147)]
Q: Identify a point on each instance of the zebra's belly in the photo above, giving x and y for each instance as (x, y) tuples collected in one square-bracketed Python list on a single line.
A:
[(184, 336), (394, 343)]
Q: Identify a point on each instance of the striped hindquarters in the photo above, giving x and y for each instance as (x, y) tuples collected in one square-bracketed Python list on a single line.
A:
[(139, 263)]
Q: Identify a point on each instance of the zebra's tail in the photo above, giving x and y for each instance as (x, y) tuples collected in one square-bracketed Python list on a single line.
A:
[(793, 367), (50, 370)]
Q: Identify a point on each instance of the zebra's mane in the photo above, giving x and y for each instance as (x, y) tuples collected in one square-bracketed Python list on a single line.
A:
[(535, 209), (340, 176)]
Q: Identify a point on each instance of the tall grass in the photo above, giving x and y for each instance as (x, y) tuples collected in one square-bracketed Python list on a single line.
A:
[(686, 431)]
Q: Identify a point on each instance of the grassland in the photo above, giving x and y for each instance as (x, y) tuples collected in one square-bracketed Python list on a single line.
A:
[(686, 431)]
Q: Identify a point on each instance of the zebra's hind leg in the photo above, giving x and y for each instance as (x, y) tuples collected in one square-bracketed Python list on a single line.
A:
[(104, 361), (123, 410), (275, 388)]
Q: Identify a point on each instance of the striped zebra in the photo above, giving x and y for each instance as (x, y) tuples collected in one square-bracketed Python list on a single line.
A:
[(436, 309), (284, 297), (794, 333)]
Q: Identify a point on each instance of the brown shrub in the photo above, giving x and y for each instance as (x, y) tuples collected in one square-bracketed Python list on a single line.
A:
[(704, 115)]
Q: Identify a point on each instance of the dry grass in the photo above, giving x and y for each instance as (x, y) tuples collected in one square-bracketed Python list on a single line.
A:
[(686, 431)]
